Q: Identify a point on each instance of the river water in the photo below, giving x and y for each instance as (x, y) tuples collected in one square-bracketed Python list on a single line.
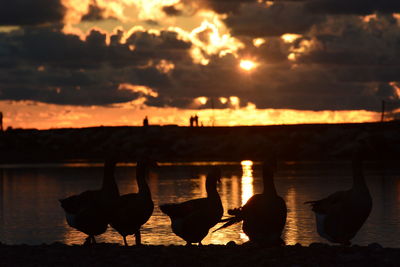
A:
[(30, 212)]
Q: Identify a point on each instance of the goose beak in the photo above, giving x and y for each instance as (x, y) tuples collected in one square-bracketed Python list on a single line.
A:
[(154, 165)]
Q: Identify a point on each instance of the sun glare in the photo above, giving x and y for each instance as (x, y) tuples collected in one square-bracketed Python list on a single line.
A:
[(247, 65), (290, 37), (247, 180)]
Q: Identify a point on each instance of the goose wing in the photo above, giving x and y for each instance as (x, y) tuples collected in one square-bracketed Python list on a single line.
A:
[(238, 214), (130, 212), (180, 210), (78, 203), (132, 204), (331, 202)]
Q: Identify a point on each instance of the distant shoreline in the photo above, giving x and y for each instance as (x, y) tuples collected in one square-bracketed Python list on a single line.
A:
[(316, 254), (184, 144)]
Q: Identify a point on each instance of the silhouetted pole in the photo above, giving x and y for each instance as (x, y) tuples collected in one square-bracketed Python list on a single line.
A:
[(1, 121), (212, 114), (383, 111)]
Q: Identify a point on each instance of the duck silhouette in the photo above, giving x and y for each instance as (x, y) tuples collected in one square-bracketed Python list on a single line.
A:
[(263, 215), (89, 212), (191, 220), (340, 215), (133, 210)]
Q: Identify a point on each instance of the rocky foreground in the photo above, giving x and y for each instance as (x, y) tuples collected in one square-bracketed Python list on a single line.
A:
[(58, 254)]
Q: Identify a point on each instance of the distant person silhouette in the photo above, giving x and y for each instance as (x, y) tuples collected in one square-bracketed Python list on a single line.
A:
[(1, 121), (196, 120), (191, 121), (145, 122)]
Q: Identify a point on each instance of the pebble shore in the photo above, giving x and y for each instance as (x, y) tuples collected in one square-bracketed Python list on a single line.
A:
[(316, 254)]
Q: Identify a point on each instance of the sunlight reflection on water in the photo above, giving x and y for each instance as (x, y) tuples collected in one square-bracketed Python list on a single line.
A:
[(30, 212)]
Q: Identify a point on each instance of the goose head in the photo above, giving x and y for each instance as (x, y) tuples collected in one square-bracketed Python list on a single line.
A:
[(144, 166), (269, 166), (109, 184), (213, 177)]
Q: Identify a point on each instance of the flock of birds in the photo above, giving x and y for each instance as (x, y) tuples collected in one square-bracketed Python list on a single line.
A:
[(339, 216)]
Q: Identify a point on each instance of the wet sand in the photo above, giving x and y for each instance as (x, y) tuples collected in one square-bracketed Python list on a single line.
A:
[(316, 254)]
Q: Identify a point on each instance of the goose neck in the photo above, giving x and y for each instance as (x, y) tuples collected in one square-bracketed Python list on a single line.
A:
[(142, 173), (109, 184), (211, 187), (358, 175), (268, 180)]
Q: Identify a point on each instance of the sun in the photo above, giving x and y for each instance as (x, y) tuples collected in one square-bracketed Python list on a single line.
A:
[(247, 65)]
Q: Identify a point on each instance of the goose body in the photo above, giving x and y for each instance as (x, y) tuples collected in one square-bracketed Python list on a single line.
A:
[(89, 212), (340, 215), (263, 215), (191, 220), (131, 211)]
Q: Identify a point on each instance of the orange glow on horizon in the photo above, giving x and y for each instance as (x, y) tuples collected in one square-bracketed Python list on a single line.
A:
[(29, 114)]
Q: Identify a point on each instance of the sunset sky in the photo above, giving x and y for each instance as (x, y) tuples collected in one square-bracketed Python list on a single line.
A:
[(78, 63)]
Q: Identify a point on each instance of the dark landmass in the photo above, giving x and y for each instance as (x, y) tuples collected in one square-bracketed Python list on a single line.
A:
[(173, 143), (316, 254)]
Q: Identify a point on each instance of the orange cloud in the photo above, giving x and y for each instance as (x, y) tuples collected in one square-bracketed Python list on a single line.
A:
[(123, 10), (138, 89)]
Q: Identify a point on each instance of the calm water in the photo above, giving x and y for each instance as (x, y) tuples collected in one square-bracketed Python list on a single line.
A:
[(30, 212)]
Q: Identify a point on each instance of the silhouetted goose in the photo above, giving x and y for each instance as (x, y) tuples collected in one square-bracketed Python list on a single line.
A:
[(191, 220), (263, 215), (89, 212), (341, 214), (131, 211)]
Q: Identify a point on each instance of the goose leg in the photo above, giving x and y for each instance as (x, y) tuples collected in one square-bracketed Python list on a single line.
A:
[(88, 241), (346, 243), (138, 239), (94, 240), (126, 243)]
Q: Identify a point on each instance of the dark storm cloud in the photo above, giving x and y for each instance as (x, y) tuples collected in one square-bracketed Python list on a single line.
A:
[(31, 12), (351, 42), (94, 13), (219, 6), (226, 6), (356, 7), (258, 20), (172, 11), (49, 46), (52, 67)]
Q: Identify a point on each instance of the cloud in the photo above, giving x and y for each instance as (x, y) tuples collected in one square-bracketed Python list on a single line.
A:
[(172, 11), (260, 20), (94, 13), (351, 41), (52, 67), (336, 62), (28, 12), (355, 7), (226, 6)]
